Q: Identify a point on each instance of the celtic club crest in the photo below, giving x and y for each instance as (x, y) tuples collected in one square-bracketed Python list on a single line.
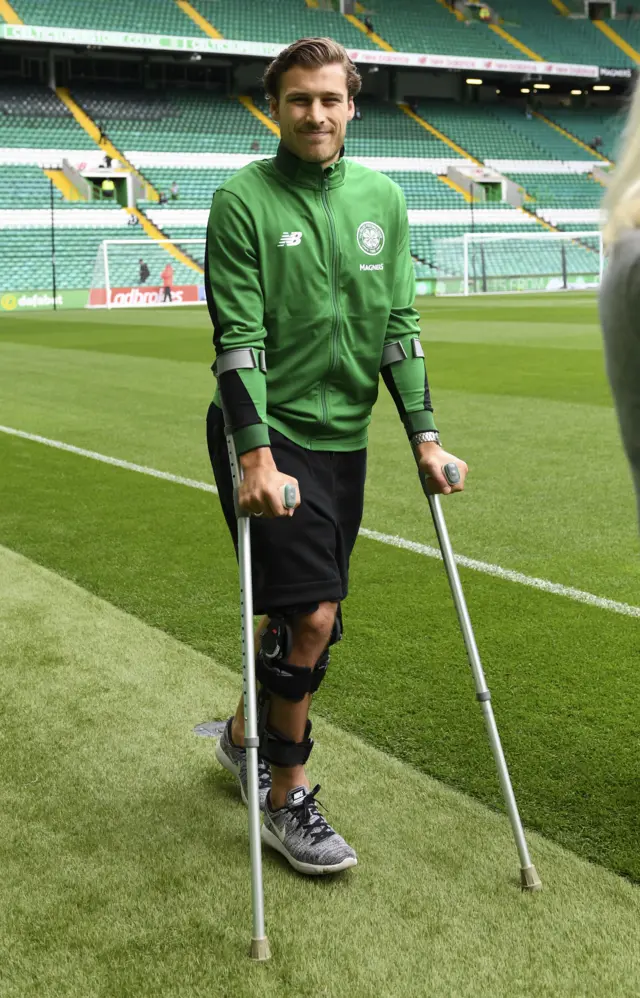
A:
[(370, 238)]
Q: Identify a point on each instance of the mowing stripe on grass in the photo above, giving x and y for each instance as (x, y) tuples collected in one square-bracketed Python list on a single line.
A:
[(125, 867), (127, 465), (578, 595)]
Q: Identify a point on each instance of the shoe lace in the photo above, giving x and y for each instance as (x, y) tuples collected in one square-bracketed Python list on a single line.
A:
[(264, 774), (313, 823)]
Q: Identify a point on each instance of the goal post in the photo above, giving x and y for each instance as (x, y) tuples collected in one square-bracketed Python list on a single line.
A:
[(507, 262), (131, 273)]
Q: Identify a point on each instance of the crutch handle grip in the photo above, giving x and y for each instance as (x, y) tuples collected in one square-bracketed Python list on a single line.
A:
[(288, 495), (450, 471)]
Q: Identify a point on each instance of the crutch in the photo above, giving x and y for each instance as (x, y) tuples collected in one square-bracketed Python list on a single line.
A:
[(259, 943), (529, 879)]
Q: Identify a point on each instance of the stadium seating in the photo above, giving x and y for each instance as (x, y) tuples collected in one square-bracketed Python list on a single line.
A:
[(26, 256), (500, 132), (557, 38), (179, 121), (442, 246), (166, 126), (208, 122), (426, 26), (628, 29), (423, 190), (29, 187), (196, 187), (560, 190), (407, 25), (25, 187), (282, 21), (383, 130), (31, 115), (150, 16), (589, 123)]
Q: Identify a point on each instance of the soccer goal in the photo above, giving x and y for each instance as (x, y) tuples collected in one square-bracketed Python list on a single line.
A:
[(508, 262), (137, 273)]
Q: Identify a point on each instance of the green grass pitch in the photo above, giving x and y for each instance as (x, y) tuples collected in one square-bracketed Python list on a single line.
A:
[(123, 844)]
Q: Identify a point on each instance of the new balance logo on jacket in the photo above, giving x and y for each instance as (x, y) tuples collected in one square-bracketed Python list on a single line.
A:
[(295, 238), (290, 239)]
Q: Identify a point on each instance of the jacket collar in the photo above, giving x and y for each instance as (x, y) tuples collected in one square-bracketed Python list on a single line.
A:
[(309, 174)]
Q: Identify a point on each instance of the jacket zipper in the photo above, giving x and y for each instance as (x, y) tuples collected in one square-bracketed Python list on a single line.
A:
[(335, 329)]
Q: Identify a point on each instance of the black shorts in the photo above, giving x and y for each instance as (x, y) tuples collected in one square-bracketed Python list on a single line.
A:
[(302, 560)]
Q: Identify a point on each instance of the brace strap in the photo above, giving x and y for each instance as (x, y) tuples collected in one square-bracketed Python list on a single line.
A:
[(280, 751), (292, 682), (244, 358)]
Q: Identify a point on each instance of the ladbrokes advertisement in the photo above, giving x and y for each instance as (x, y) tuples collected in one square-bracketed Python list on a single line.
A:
[(181, 294)]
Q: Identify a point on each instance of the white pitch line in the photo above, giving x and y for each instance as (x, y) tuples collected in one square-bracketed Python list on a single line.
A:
[(127, 465), (507, 573), (578, 595)]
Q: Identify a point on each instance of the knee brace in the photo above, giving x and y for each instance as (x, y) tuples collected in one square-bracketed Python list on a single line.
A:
[(291, 682)]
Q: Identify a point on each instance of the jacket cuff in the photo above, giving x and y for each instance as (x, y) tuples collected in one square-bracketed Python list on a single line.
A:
[(250, 437), (416, 422)]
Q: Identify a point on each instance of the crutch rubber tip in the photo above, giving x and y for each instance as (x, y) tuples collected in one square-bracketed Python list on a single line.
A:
[(529, 879), (260, 949)]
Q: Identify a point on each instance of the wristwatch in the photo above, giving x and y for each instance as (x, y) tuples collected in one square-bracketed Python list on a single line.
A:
[(426, 437)]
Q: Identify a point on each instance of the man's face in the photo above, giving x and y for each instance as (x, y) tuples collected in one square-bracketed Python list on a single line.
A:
[(312, 111)]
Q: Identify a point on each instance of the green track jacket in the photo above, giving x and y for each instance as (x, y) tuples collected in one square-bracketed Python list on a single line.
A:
[(312, 266)]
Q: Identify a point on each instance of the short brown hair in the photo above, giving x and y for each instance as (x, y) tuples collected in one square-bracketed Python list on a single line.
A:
[(313, 53)]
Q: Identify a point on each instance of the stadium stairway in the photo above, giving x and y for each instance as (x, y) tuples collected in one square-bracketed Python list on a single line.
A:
[(617, 40), (371, 35), (422, 121), (198, 19), (500, 32), (569, 135), (155, 232), (64, 185), (94, 133), (546, 28), (283, 21), (520, 46), (8, 13), (252, 108), (162, 17), (560, 7), (459, 16)]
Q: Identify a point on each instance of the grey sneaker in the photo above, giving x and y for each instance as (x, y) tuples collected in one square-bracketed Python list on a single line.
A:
[(234, 759), (302, 835)]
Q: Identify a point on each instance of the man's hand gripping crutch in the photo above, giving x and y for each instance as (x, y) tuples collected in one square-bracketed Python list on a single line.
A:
[(442, 473)]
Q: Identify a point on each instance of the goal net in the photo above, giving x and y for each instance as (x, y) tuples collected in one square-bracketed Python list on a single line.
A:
[(507, 262), (136, 273)]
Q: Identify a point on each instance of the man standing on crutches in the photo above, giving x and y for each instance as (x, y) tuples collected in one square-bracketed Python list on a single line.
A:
[(310, 286)]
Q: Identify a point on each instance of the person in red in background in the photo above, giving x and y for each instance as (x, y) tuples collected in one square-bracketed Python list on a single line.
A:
[(167, 281)]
